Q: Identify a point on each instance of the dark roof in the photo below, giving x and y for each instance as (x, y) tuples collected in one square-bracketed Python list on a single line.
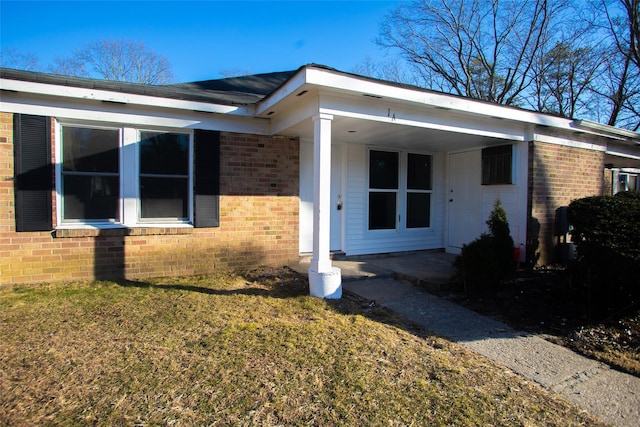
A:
[(229, 91), (257, 84)]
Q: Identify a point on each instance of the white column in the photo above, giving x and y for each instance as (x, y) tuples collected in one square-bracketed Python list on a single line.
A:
[(324, 279)]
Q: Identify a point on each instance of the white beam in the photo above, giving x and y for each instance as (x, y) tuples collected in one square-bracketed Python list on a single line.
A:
[(70, 92), (324, 279), (137, 115)]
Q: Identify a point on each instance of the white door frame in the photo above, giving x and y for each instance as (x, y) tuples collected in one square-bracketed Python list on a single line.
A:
[(464, 199), (338, 202)]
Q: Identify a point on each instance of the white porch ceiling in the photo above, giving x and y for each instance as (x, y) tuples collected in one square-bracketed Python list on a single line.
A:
[(387, 123), (358, 131)]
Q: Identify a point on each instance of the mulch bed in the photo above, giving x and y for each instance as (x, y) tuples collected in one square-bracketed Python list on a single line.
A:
[(543, 302)]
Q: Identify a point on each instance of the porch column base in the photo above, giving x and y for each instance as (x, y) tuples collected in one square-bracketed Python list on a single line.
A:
[(326, 285)]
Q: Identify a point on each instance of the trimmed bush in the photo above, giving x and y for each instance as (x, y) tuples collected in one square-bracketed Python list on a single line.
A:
[(484, 262), (606, 231)]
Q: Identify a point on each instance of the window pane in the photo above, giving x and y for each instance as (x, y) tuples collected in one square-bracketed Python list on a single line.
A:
[(418, 172), (382, 211), (91, 197), (418, 210), (164, 153), (496, 165), (163, 197), (383, 170), (90, 150)]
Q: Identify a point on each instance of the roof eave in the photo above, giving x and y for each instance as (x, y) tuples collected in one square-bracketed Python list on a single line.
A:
[(115, 92)]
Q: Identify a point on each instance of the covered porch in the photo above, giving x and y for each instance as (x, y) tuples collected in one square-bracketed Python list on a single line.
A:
[(346, 123)]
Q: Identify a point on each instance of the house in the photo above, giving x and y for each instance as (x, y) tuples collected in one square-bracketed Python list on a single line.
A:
[(105, 179)]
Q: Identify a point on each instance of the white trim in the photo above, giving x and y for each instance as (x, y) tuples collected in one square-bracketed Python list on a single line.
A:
[(625, 155), (291, 86), (129, 167), (424, 125), (94, 112), (340, 81), (401, 192), (121, 97), (567, 142), (611, 131)]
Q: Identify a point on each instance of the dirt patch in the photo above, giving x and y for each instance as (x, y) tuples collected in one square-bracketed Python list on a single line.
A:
[(543, 302)]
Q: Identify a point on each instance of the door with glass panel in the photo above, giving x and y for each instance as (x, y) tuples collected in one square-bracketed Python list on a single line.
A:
[(400, 188)]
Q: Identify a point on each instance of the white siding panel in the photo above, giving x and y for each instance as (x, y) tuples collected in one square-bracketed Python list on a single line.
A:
[(359, 240), (512, 197)]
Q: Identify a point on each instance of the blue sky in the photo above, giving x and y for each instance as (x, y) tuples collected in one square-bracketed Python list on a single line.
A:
[(203, 38)]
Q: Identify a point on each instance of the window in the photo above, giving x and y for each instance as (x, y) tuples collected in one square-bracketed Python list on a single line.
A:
[(400, 187), (383, 189), (90, 174), (164, 175), (627, 182), (418, 190), (124, 176), (496, 165)]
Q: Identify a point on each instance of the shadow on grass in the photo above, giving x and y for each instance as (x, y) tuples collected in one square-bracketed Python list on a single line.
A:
[(283, 283), (266, 282)]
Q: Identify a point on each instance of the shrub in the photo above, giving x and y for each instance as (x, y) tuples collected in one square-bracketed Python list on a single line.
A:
[(488, 259), (606, 231)]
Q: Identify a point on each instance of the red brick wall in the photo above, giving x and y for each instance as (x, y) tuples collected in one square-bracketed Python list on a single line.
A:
[(557, 175), (258, 224)]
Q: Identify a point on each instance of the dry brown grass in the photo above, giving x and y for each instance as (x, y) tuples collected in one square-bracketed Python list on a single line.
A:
[(242, 350)]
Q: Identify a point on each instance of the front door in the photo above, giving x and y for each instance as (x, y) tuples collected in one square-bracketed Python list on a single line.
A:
[(464, 197), (337, 202)]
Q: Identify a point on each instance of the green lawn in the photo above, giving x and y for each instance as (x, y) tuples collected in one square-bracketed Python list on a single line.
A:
[(248, 349)]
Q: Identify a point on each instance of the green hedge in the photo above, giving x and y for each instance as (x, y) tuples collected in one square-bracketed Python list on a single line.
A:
[(606, 232)]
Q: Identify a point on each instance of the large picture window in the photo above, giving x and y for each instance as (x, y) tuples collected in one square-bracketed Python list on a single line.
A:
[(125, 176), (400, 187), (164, 175), (90, 174)]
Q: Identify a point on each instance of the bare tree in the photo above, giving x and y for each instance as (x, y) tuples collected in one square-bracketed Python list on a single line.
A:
[(477, 48), (391, 70), (563, 77), (11, 58), (632, 11), (118, 60), (620, 86)]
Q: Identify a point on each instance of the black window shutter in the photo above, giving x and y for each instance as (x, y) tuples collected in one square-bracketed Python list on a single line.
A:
[(33, 172), (207, 178)]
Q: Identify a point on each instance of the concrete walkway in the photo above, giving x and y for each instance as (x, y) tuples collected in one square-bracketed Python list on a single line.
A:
[(393, 282)]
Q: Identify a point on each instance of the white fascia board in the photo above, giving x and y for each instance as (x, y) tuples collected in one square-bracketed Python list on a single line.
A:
[(305, 109), (625, 154), (291, 87), (73, 109), (624, 134), (424, 125), (395, 113), (120, 97), (567, 142), (343, 82)]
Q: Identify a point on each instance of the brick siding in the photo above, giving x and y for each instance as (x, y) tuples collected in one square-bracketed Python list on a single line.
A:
[(259, 210), (557, 175)]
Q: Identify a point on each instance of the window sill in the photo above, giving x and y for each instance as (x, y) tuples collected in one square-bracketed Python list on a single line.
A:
[(116, 231)]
